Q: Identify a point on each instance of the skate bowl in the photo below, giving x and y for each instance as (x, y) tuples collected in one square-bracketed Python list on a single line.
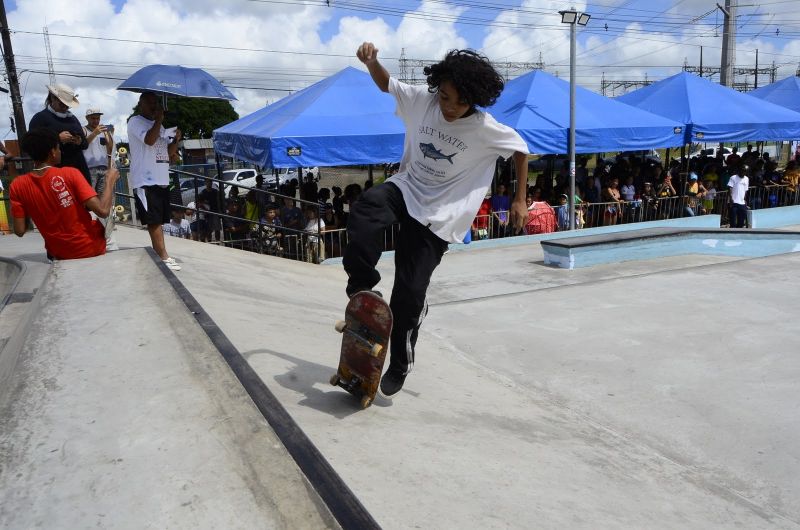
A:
[(10, 271), (588, 251)]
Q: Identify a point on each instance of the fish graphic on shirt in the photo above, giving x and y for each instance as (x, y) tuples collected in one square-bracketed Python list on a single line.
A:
[(430, 151)]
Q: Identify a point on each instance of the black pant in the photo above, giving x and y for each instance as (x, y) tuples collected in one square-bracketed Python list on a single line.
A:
[(418, 252), (738, 215)]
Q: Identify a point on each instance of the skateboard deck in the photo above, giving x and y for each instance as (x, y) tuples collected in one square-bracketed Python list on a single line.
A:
[(365, 337)]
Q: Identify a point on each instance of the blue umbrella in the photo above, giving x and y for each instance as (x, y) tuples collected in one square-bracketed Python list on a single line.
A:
[(176, 80)]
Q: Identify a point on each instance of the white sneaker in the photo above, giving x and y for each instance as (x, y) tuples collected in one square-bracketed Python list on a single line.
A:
[(172, 264)]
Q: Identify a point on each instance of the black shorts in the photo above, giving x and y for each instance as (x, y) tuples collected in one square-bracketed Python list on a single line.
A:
[(158, 209)]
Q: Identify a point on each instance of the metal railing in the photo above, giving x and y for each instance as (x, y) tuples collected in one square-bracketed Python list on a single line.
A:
[(313, 246)]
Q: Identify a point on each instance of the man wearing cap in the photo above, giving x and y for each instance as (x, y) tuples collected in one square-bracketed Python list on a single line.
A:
[(99, 159), (98, 154), (57, 118)]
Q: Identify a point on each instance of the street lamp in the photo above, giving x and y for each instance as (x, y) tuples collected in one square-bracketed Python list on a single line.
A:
[(572, 18)]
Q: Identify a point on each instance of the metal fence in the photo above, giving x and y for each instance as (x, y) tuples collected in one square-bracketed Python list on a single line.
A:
[(263, 236)]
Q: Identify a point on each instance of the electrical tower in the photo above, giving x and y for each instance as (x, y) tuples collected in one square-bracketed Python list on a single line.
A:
[(408, 72), (737, 84), (49, 53), (625, 84)]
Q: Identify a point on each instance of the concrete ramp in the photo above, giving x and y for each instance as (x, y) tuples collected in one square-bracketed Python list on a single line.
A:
[(122, 414)]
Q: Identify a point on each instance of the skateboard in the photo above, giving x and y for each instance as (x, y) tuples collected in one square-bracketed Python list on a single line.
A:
[(365, 336)]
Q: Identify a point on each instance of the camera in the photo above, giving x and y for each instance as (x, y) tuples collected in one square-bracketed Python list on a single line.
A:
[(109, 128)]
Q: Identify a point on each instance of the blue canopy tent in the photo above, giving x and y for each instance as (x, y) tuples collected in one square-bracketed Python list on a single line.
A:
[(714, 113), (785, 93), (343, 119), (537, 106)]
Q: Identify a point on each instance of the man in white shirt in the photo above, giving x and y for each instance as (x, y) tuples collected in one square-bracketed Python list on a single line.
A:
[(99, 158), (738, 191), (151, 152), (451, 148), (99, 153)]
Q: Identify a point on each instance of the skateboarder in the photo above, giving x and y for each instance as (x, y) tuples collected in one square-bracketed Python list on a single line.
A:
[(448, 163)]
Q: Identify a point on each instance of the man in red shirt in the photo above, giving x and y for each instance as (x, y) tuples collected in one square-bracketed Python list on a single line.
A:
[(59, 201)]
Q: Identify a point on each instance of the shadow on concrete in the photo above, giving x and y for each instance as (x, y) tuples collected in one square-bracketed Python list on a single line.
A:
[(305, 377)]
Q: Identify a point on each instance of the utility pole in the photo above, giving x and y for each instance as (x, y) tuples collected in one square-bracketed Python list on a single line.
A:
[(11, 69), (701, 61), (756, 71), (728, 43)]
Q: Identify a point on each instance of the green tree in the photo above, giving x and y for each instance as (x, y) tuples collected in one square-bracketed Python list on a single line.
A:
[(196, 117)]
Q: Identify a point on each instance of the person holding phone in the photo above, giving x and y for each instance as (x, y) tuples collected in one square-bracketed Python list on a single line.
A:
[(99, 159), (57, 117), (99, 153)]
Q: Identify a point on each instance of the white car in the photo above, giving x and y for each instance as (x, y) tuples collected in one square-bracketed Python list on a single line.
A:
[(239, 177), (711, 152), (187, 186)]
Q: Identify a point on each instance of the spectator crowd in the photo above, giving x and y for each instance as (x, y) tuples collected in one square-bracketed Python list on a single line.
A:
[(301, 220)]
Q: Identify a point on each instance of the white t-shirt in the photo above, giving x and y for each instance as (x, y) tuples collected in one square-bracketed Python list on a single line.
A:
[(96, 154), (177, 229), (314, 225), (738, 186), (628, 192), (447, 166), (149, 163)]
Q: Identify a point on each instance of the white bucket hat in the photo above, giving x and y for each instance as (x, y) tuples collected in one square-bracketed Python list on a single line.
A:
[(65, 94)]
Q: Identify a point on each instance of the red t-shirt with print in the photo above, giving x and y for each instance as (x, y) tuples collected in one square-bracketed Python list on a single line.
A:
[(54, 200)]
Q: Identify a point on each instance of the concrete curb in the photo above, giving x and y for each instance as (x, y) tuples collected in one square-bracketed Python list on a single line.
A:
[(337, 496), (17, 320)]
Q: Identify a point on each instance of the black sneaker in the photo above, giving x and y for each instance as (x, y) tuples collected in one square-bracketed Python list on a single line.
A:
[(391, 383), (352, 293)]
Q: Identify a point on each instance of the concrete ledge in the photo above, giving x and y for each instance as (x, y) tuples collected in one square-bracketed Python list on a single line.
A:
[(773, 217), (586, 251), (10, 272), (18, 308), (122, 414)]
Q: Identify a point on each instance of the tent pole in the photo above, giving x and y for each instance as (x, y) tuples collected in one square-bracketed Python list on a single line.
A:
[(221, 192)]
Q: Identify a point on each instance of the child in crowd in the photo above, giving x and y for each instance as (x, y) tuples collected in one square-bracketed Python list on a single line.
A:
[(449, 159), (628, 190), (562, 213), (177, 226), (271, 230), (315, 252), (710, 196)]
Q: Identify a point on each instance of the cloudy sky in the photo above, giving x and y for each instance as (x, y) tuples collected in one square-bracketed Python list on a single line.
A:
[(264, 49)]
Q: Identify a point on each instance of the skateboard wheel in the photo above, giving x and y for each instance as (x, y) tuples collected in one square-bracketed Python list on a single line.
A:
[(366, 401), (376, 349), (335, 379), (340, 325)]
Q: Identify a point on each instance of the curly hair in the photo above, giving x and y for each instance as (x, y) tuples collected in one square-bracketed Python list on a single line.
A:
[(471, 74), (38, 143)]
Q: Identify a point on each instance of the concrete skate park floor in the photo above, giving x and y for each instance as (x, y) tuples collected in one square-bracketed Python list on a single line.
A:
[(651, 394)]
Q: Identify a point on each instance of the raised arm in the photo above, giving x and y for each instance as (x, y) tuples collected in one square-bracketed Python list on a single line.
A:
[(367, 53), (101, 206)]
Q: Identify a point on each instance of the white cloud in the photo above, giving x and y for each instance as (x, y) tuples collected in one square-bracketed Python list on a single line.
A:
[(297, 28)]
